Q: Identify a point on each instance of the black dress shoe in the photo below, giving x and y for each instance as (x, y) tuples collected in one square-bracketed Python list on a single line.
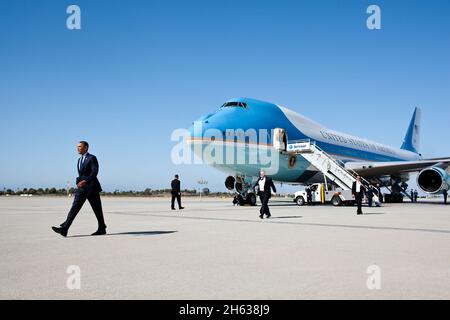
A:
[(99, 232), (181, 208), (173, 208), (62, 231), (261, 216), (268, 216)]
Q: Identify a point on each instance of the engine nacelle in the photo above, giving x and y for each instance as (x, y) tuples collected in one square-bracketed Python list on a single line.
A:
[(229, 183), (433, 180), (232, 183)]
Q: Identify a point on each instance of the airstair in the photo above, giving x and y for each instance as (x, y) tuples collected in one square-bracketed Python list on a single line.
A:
[(333, 169)]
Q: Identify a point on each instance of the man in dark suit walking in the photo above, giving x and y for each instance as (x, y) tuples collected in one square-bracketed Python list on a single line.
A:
[(358, 191), (88, 188), (380, 195), (264, 184), (309, 196), (369, 196), (176, 192)]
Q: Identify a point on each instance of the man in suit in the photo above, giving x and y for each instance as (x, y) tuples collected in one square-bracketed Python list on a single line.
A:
[(176, 192), (445, 193), (380, 195), (369, 196), (88, 188), (358, 190), (264, 185), (309, 196), (416, 195)]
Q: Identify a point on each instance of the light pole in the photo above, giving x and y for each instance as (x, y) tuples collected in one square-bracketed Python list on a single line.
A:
[(201, 182)]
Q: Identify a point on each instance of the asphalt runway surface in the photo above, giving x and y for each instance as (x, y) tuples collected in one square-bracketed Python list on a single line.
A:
[(212, 250)]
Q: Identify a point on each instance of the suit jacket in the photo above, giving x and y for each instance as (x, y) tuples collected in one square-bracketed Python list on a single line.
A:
[(88, 171), (362, 189), (267, 186), (175, 186)]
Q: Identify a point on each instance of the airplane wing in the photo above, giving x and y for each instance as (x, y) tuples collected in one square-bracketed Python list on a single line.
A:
[(370, 169)]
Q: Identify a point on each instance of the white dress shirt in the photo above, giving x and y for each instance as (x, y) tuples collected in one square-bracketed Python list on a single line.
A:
[(261, 183), (358, 186), (82, 160)]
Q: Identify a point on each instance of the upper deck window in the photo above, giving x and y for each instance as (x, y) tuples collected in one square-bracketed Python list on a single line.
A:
[(234, 104)]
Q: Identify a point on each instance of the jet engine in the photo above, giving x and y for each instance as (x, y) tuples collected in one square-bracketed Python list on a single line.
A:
[(433, 180), (229, 183)]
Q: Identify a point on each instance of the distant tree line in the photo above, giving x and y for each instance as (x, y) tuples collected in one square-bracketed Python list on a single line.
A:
[(33, 191), (145, 193)]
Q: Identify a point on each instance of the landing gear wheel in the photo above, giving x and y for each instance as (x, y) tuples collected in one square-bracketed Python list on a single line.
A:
[(251, 199), (241, 200), (336, 201)]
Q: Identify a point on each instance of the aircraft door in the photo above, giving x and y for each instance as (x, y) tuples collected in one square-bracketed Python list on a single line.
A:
[(279, 141), (315, 193)]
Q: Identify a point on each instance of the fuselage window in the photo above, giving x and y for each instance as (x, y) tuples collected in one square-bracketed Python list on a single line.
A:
[(234, 104)]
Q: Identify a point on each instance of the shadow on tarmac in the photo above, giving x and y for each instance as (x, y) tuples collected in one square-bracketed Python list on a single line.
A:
[(130, 233)]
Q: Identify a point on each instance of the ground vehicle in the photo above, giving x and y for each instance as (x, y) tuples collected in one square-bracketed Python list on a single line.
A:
[(322, 193)]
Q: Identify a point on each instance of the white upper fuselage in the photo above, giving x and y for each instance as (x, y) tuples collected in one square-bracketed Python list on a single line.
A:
[(338, 143)]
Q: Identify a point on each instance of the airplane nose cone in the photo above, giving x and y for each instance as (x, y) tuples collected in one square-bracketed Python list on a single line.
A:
[(242, 114), (222, 120), (213, 121)]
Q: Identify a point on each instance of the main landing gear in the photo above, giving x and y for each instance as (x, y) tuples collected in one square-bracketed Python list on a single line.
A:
[(398, 189), (244, 190)]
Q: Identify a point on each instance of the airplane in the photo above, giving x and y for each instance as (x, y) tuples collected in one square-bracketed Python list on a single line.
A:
[(377, 163)]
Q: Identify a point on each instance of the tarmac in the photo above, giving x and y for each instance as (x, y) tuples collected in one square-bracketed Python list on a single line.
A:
[(212, 250)]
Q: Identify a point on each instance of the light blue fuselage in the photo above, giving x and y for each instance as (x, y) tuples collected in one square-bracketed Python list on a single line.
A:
[(263, 115)]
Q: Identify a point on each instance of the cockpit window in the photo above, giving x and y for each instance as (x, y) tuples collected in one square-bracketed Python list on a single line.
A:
[(234, 104)]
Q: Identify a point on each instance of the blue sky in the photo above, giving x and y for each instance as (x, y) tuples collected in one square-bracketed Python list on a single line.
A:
[(139, 69)]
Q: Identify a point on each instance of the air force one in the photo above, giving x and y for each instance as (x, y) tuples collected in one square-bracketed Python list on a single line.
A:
[(379, 164)]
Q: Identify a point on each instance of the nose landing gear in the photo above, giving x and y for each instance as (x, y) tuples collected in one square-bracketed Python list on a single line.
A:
[(243, 187)]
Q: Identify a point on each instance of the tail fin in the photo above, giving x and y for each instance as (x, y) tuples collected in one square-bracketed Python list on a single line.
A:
[(412, 137)]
